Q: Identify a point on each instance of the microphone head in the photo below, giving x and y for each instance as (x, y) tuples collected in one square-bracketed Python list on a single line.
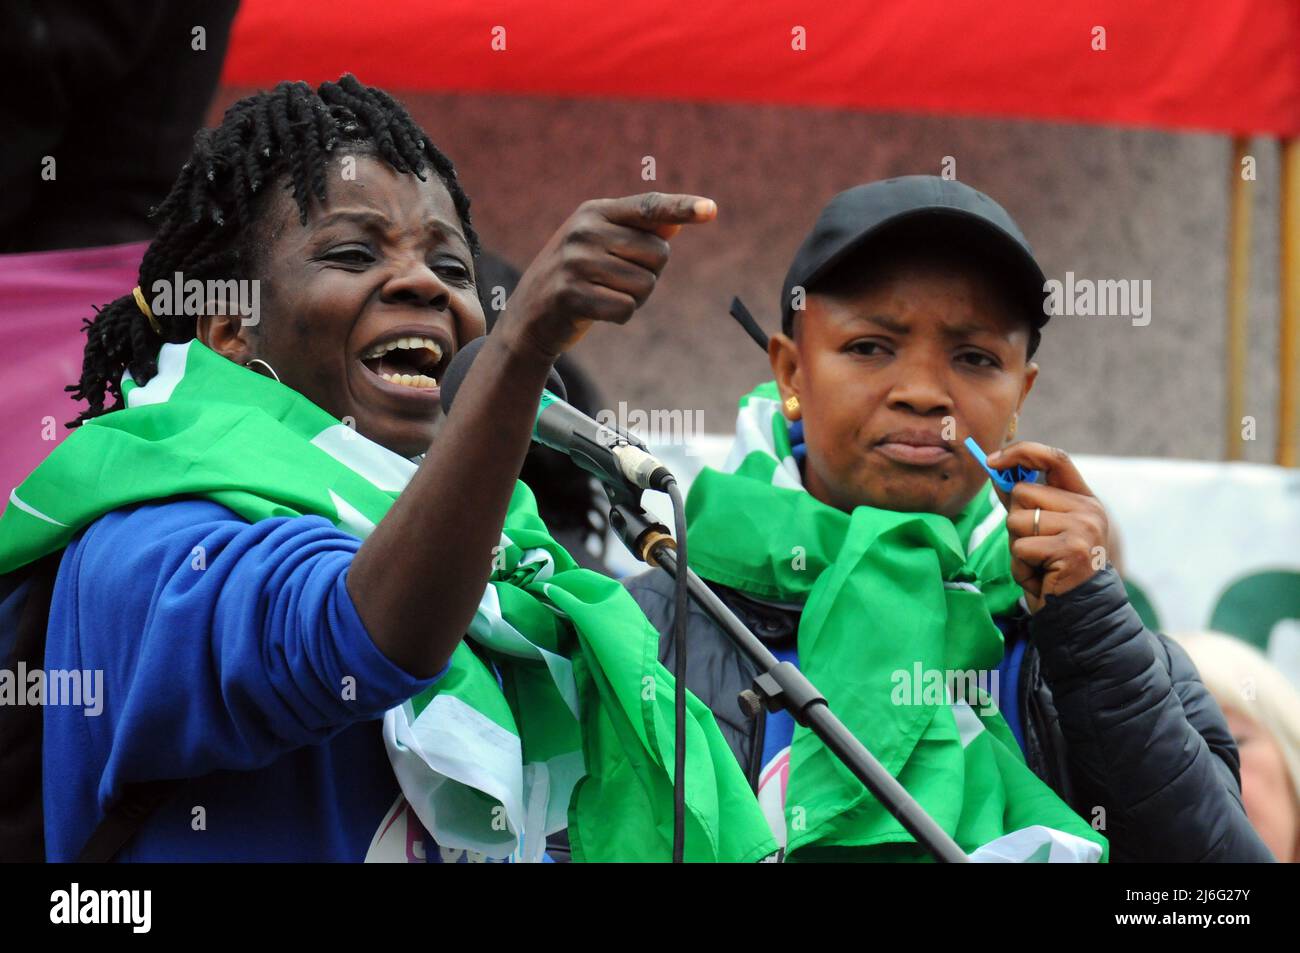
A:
[(459, 367), (456, 371)]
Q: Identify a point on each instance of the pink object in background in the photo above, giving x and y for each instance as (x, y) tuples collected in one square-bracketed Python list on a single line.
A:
[(43, 298)]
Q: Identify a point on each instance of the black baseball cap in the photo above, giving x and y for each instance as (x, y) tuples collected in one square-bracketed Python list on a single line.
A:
[(917, 207)]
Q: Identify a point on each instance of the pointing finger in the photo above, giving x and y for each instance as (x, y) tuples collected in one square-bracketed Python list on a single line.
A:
[(652, 211)]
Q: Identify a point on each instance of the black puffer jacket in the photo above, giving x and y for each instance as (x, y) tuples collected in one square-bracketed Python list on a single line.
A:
[(1115, 716)]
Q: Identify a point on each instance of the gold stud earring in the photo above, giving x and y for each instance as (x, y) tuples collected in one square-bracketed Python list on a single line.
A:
[(792, 406), (1015, 419)]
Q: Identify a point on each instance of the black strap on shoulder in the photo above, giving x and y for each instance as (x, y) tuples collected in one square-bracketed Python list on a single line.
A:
[(125, 818), (25, 604), (21, 730)]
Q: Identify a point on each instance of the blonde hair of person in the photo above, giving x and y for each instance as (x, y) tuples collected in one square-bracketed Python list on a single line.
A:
[(1240, 676)]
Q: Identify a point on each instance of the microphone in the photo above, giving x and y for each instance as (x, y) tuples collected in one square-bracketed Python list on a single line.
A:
[(607, 453)]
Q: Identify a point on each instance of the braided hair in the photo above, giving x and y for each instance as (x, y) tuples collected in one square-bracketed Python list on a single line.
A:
[(206, 224)]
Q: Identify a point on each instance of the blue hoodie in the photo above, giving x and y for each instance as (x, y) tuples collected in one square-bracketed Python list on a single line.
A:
[(232, 656)]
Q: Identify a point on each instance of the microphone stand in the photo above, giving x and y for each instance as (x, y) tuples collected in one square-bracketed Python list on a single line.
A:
[(778, 684)]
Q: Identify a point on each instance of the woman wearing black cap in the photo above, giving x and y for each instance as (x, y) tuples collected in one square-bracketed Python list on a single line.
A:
[(973, 636)]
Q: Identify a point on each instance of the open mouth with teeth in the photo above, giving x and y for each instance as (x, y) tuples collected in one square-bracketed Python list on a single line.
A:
[(411, 361)]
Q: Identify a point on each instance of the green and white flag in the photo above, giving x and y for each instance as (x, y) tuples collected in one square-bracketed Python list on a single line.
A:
[(890, 600), (555, 711)]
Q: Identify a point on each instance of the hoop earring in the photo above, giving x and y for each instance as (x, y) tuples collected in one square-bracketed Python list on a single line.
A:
[(258, 360)]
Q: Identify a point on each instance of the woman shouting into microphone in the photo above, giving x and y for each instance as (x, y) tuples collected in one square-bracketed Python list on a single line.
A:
[(330, 624), (983, 649)]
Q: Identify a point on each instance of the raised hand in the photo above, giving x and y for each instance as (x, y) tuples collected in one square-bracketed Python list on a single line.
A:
[(600, 265), (1068, 546)]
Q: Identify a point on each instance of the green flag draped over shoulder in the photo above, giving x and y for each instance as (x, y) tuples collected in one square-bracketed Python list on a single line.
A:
[(897, 632), (559, 715)]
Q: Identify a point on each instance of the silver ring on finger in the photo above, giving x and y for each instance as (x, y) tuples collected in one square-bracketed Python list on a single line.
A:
[(1038, 512)]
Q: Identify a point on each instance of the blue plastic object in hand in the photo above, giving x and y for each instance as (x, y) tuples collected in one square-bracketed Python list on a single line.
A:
[(1004, 480)]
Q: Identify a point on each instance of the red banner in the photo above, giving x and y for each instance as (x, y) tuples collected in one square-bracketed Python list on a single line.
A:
[(1214, 65)]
